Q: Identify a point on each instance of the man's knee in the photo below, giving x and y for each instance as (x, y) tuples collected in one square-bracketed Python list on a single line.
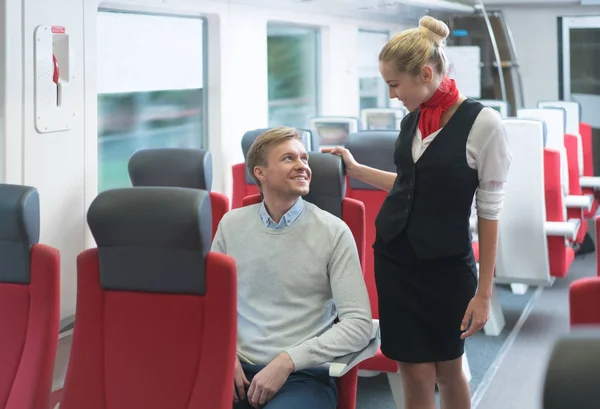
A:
[(305, 393)]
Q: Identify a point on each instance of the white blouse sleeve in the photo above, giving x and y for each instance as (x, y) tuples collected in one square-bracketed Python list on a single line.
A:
[(492, 163)]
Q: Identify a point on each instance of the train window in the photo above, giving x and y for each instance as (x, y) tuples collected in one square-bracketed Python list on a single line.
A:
[(151, 93), (373, 90), (293, 60)]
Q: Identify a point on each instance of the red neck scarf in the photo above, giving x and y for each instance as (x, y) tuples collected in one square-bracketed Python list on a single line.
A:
[(433, 109)]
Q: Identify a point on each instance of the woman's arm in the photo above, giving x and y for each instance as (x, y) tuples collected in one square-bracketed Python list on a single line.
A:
[(379, 178), (493, 163), (488, 242), (371, 176)]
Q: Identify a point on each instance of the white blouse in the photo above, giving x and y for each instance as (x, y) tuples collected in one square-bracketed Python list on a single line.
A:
[(487, 151)]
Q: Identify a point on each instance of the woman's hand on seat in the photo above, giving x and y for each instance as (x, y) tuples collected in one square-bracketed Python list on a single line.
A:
[(349, 161)]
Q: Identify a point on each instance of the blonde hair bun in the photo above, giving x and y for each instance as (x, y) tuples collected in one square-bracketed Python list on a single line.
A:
[(429, 25)]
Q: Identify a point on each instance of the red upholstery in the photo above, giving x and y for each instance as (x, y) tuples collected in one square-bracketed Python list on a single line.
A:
[(585, 130), (29, 335), (372, 199), (353, 210), (584, 301), (347, 386), (29, 302), (560, 255), (476, 250), (220, 205), (148, 349), (597, 226), (241, 189), (353, 213), (574, 186)]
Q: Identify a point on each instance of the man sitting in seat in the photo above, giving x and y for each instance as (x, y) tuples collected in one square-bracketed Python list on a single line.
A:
[(298, 271)]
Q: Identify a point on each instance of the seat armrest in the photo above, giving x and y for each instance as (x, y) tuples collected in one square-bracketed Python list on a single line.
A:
[(584, 201), (592, 182), (340, 366), (567, 229)]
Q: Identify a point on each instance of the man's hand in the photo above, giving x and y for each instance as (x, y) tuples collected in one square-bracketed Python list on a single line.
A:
[(240, 382), (267, 382)]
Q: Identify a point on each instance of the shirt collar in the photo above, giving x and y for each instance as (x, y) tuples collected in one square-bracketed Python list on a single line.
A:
[(288, 218)]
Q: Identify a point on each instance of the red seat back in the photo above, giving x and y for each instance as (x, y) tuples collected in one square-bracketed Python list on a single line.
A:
[(243, 182), (29, 302), (374, 149), (584, 301), (156, 310), (574, 185), (560, 255), (585, 130), (171, 167)]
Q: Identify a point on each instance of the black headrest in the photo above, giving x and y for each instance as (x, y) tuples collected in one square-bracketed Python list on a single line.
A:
[(374, 149), (573, 371), (250, 136), (328, 183), (152, 239), (174, 167), (19, 231)]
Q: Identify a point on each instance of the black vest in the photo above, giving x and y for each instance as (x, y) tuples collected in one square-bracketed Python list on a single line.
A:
[(431, 199)]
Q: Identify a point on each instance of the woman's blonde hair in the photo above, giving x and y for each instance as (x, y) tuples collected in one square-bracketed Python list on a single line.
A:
[(411, 49)]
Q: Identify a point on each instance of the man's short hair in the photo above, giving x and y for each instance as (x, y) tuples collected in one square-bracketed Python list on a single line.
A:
[(259, 150)]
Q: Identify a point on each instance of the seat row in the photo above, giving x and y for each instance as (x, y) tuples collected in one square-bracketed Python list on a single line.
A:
[(148, 230), (156, 310)]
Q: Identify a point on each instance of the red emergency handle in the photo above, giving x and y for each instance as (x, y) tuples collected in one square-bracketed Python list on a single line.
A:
[(56, 74)]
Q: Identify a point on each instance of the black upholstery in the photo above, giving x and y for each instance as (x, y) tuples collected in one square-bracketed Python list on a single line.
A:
[(374, 149), (152, 239), (174, 167), (574, 371), (19, 231), (328, 182), (250, 136)]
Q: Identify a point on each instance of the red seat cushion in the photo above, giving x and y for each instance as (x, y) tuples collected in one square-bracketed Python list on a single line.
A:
[(584, 301)]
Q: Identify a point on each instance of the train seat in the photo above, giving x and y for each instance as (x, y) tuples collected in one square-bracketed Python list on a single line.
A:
[(156, 316), (327, 191), (555, 119), (584, 301), (243, 182), (174, 167), (374, 149), (29, 302), (574, 212), (533, 229), (583, 133)]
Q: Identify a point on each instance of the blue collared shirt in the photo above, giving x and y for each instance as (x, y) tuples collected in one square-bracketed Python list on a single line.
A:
[(287, 219)]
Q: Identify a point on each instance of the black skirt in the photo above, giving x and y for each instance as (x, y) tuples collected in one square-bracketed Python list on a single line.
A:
[(422, 301)]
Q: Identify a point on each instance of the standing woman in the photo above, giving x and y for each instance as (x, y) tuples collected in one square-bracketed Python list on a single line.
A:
[(450, 150)]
